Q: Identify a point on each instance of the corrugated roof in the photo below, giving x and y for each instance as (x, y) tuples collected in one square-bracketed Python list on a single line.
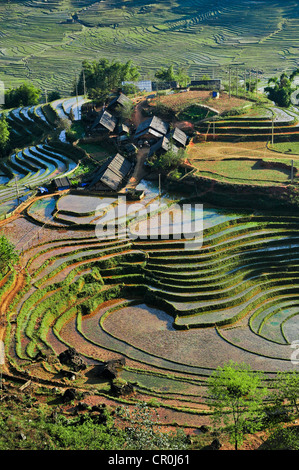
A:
[(162, 144), (179, 136), (112, 172), (106, 120), (120, 99), (61, 182), (155, 124)]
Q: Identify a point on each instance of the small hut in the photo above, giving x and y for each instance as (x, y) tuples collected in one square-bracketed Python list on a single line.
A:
[(111, 174)]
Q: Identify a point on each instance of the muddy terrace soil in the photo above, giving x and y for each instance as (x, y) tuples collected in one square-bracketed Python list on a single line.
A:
[(178, 101)]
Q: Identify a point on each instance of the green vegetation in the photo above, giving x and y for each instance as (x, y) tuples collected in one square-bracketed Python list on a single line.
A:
[(53, 46), (172, 313), (246, 171), (282, 90), (8, 255), (27, 425), (4, 134), (169, 160), (100, 78), (195, 112), (24, 95), (288, 389), (285, 147), (236, 397), (40, 418), (283, 438), (169, 75), (142, 432)]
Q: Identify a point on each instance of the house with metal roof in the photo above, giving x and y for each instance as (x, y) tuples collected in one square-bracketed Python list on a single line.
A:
[(104, 122), (163, 145), (112, 174), (179, 137), (120, 100), (143, 85), (152, 128), (60, 184)]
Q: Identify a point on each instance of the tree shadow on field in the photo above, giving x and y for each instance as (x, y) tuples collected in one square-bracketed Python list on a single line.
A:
[(263, 166)]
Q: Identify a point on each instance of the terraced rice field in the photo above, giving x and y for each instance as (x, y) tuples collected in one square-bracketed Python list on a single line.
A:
[(43, 42), (174, 310), (246, 171), (173, 313), (27, 169), (281, 123)]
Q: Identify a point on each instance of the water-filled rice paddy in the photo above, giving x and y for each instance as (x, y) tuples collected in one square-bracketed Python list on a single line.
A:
[(174, 313)]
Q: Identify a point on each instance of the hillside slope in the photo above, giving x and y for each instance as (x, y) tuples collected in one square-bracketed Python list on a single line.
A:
[(45, 42)]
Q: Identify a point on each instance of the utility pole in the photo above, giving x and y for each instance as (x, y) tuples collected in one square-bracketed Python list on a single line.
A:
[(214, 129), (17, 190), (237, 81), (77, 94), (256, 82), (159, 186), (272, 130), (292, 171), (245, 82), (84, 84), (229, 81)]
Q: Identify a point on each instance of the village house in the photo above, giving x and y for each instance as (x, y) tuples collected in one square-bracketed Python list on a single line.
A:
[(103, 123), (120, 100), (179, 137), (163, 145), (151, 129), (111, 175), (60, 184)]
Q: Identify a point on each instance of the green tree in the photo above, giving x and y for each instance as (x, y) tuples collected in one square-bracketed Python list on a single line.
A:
[(101, 77), (169, 160), (235, 394), (169, 75), (4, 134), (280, 89), (125, 111), (54, 95), (84, 433), (130, 89), (25, 95), (182, 77), (166, 74), (283, 438), (8, 254), (288, 388)]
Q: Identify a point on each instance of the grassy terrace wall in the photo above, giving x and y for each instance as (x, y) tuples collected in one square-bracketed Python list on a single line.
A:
[(244, 196), (36, 155), (174, 313), (246, 271)]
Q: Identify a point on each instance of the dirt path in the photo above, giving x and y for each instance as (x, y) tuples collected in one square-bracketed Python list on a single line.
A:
[(139, 170)]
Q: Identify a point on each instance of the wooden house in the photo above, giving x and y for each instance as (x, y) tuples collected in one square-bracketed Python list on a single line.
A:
[(151, 129), (120, 100), (60, 184), (104, 122), (111, 175), (163, 145), (179, 137)]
